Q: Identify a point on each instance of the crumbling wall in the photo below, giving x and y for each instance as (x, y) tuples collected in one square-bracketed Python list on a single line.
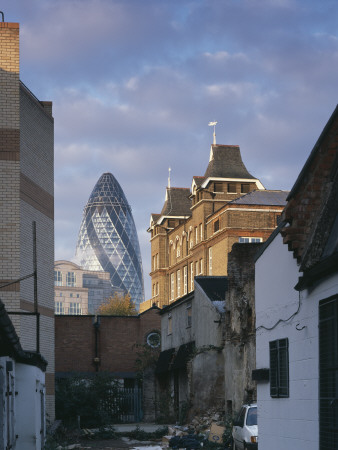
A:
[(207, 381), (240, 341)]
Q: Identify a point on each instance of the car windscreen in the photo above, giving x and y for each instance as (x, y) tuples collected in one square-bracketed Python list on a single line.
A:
[(251, 418)]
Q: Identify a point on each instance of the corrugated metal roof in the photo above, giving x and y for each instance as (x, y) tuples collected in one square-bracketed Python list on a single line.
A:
[(263, 197)]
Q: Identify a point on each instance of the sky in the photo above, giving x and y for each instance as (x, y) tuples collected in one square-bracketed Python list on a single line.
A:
[(134, 84)]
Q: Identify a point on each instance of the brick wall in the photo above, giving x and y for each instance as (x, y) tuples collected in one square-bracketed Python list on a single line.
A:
[(117, 336), (26, 195)]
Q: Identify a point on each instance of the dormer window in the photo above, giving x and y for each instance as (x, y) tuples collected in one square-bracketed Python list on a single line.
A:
[(171, 223), (232, 188), (216, 225), (218, 187), (245, 188)]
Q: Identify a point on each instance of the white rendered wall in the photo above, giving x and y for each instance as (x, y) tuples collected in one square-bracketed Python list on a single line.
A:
[(30, 381), (290, 422)]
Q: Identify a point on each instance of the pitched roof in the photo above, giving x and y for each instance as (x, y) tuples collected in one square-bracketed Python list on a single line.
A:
[(214, 287), (10, 344), (177, 202), (226, 162), (312, 207), (260, 197), (198, 181)]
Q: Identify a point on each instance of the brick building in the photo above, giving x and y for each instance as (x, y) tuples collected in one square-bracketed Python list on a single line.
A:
[(26, 197), (197, 227), (78, 291), (89, 344)]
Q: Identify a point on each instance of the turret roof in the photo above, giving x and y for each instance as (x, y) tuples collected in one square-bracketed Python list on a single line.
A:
[(226, 162)]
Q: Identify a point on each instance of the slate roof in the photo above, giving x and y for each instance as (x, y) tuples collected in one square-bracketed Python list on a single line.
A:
[(263, 197), (214, 287), (10, 343), (226, 162), (177, 202), (198, 181)]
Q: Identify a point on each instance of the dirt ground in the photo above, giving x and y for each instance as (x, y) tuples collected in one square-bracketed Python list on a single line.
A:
[(117, 444)]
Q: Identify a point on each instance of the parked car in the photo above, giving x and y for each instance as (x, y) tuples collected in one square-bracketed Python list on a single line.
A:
[(245, 429)]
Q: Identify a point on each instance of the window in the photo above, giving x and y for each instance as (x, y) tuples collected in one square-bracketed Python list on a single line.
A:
[(157, 261), (196, 268), (189, 315), (154, 262), (60, 294), (57, 278), (171, 223), (201, 232), (172, 287), (218, 187), (185, 280), (75, 308), (196, 235), (154, 290), (279, 368), (178, 251), (178, 283), (210, 260), (154, 339), (245, 188), (191, 277), (71, 294), (59, 308), (191, 242), (232, 187), (77, 295), (170, 324), (216, 225), (70, 279), (252, 240), (201, 266), (157, 289)]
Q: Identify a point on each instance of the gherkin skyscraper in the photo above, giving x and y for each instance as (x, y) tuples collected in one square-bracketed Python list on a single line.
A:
[(108, 239)]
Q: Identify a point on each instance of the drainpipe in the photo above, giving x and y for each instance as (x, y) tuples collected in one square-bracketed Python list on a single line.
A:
[(96, 359)]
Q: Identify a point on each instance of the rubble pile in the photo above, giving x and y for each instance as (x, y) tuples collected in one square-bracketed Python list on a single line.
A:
[(206, 426)]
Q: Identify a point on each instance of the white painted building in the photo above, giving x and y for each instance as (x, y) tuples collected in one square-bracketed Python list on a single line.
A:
[(296, 279), (22, 392)]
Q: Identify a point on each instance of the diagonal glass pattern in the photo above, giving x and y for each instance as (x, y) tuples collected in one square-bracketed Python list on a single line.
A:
[(108, 239)]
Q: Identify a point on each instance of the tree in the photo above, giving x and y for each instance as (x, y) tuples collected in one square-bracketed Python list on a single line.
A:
[(118, 305)]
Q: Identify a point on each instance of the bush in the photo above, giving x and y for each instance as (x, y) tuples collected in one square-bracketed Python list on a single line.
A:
[(91, 399)]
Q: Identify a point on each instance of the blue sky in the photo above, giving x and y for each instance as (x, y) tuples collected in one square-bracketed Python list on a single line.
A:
[(134, 84)]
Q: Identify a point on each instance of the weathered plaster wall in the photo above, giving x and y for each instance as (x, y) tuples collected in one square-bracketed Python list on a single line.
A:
[(239, 348)]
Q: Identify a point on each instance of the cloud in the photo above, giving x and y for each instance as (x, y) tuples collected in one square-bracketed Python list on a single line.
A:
[(134, 85)]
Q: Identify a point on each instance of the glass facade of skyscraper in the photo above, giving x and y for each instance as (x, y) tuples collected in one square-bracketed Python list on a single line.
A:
[(108, 239)]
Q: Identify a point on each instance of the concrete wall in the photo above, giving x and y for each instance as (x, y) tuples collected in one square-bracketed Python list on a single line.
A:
[(288, 422)]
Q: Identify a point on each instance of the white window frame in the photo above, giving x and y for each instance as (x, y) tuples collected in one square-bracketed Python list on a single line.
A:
[(249, 240), (58, 276), (178, 283), (201, 266), (191, 276), (59, 308), (172, 286), (210, 260), (185, 280)]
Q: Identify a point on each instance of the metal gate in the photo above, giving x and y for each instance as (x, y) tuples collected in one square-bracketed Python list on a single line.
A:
[(124, 405), (328, 374)]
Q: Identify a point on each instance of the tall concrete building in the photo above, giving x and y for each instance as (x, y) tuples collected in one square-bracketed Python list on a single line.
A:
[(108, 239), (26, 197), (198, 226)]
